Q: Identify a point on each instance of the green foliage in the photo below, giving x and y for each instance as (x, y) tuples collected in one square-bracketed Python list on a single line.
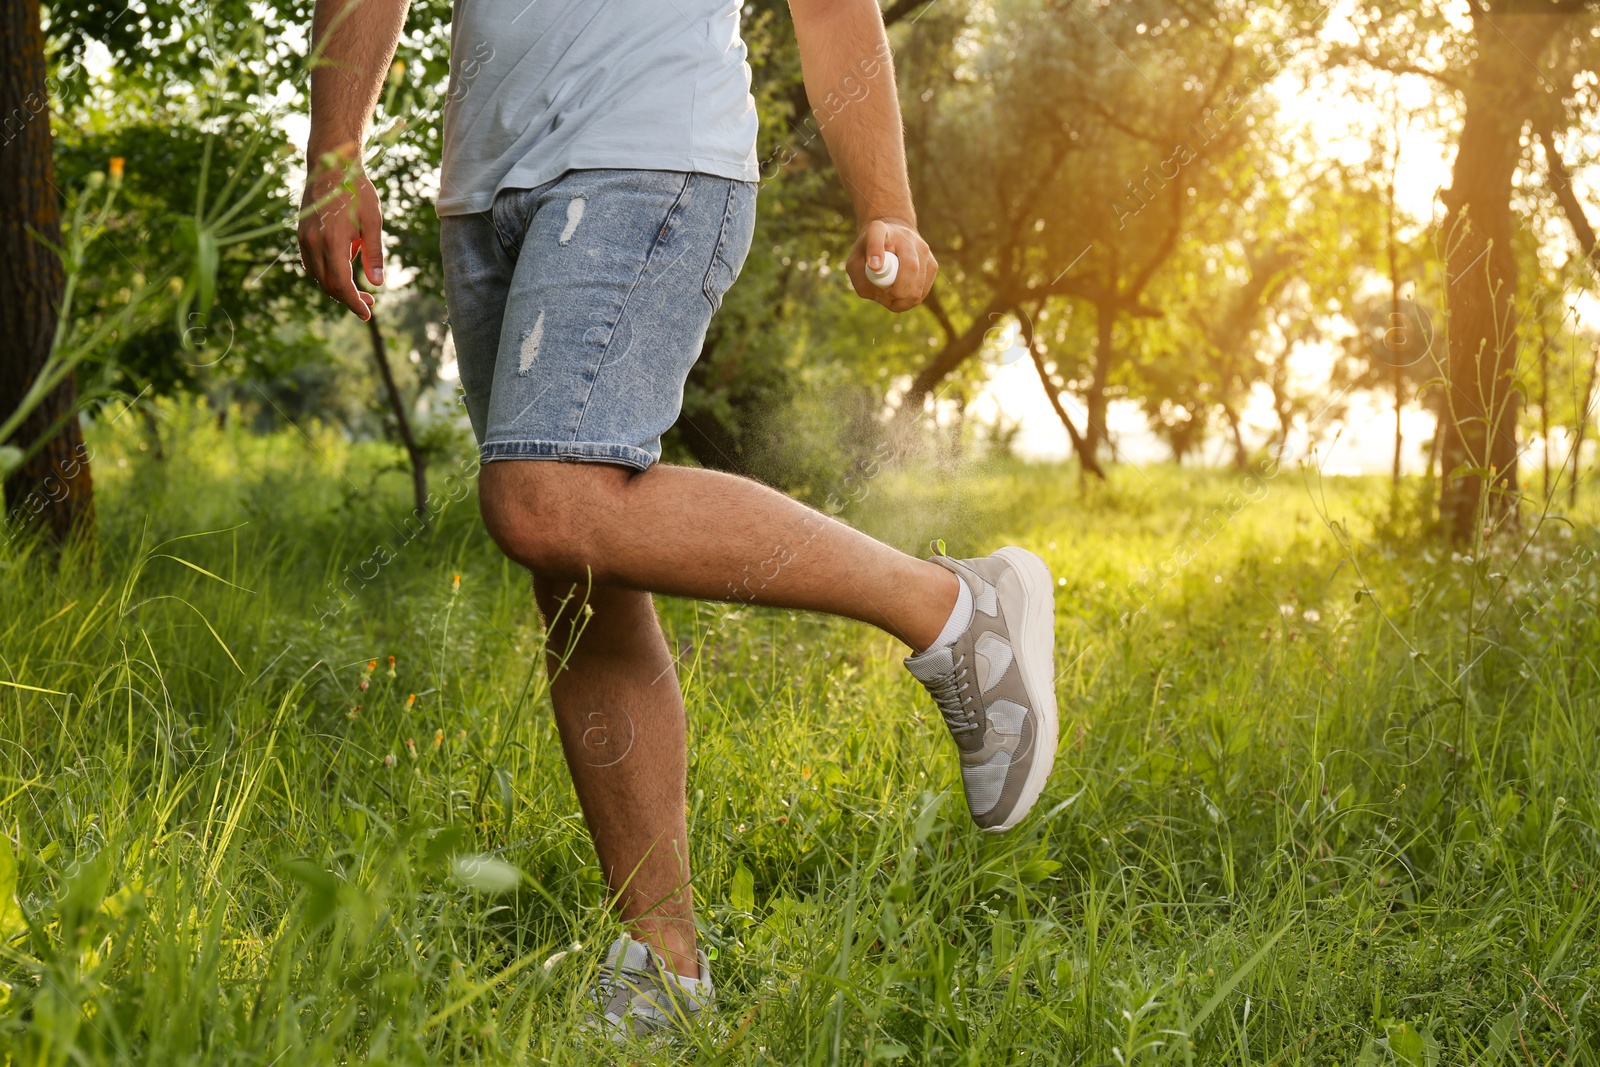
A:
[(242, 836)]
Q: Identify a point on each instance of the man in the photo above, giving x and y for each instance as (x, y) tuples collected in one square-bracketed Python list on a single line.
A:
[(597, 200)]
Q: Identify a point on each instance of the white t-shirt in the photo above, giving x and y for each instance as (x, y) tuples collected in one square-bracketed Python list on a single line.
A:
[(540, 87)]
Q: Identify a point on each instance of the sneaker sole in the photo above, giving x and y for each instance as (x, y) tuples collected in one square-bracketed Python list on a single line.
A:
[(1037, 664)]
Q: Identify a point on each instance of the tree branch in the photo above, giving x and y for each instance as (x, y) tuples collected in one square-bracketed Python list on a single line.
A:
[(1080, 444), (1561, 185)]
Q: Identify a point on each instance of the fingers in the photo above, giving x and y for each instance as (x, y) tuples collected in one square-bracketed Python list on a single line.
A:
[(330, 237), (371, 221), (918, 268), (868, 254), (877, 236)]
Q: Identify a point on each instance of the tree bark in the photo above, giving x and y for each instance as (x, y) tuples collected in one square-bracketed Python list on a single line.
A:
[(1095, 430), (1088, 462), (402, 422), (1581, 428), (1241, 454), (951, 355), (52, 488), (1479, 451), (1561, 185)]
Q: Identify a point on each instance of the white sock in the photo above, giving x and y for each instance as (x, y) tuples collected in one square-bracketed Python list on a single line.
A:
[(960, 618)]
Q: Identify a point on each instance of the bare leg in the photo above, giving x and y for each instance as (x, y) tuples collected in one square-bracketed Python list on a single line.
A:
[(622, 726), (684, 532), (688, 532)]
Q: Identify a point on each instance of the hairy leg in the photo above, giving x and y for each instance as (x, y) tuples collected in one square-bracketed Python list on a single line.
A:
[(621, 719), (698, 533), (685, 532)]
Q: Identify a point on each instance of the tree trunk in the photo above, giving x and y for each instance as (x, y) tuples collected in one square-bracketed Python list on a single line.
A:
[(1480, 428), (1088, 462), (1544, 401), (954, 352), (1582, 428), (1241, 454), (1095, 430), (419, 462), (52, 487)]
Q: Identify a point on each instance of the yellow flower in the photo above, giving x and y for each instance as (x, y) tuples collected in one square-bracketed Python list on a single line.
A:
[(455, 586), (116, 168), (410, 700)]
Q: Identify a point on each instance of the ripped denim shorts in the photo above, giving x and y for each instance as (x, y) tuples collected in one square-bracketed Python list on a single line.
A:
[(577, 308)]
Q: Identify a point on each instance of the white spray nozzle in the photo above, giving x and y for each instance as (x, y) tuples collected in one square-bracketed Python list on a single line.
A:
[(885, 277)]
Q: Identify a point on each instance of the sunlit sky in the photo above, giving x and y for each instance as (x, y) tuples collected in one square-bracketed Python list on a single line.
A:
[(1356, 437)]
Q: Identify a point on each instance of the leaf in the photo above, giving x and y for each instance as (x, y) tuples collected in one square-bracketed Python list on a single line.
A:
[(1407, 1045), (485, 874), (1238, 976), (322, 890), (33, 688), (11, 921), (744, 889), (1371, 1055), (442, 846), (1500, 1037), (888, 1050)]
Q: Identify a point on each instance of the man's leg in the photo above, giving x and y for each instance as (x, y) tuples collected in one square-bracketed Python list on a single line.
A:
[(688, 532), (684, 532), (621, 718)]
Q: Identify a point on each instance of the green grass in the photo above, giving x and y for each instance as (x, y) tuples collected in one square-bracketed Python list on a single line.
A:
[(1286, 826)]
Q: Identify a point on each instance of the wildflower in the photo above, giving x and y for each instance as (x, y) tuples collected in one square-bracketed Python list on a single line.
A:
[(116, 169), (411, 746), (391, 666), (438, 738), (372, 665), (355, 712), (455, 585), (388, 760), (362, 685), (411, 700), (1311, 615)]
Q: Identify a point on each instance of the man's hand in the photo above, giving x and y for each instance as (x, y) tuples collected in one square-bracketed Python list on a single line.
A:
[(353, 42), (339, 216), (849, 75), (918, 268)]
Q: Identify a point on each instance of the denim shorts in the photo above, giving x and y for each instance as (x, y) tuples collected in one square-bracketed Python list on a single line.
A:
[(578, 307)]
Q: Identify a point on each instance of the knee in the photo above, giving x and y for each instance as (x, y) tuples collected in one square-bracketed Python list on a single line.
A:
[(547, 516)]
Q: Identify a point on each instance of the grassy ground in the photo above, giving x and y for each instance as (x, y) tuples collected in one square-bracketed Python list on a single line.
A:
[(1327, 798)]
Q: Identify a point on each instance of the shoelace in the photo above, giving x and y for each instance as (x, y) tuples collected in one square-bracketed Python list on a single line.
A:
[(619, 977), (954, 703)]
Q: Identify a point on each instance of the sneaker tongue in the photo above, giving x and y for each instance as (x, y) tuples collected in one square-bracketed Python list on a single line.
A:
[(635, 955), (932, 665)]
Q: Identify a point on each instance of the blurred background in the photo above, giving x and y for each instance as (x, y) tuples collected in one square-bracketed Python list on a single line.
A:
[(1199, 232)]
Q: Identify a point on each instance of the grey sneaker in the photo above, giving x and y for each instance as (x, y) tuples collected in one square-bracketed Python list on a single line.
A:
[(995, 685), (639, 995)]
